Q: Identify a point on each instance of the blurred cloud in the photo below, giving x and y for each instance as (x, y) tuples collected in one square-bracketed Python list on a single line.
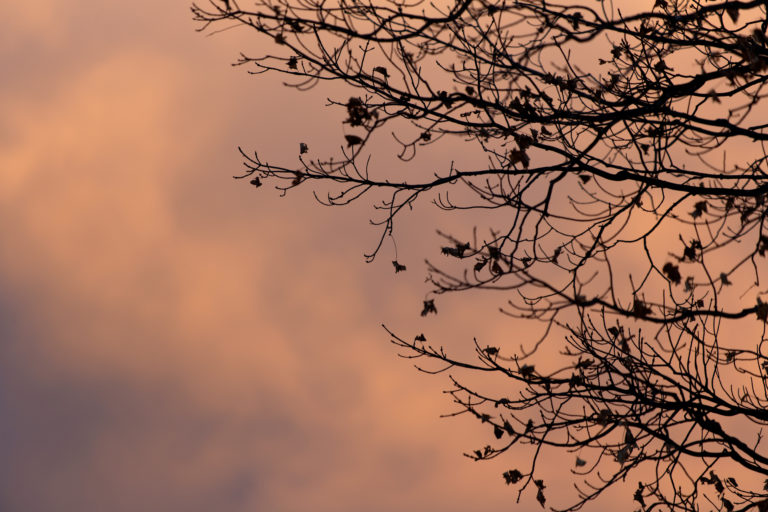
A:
[(175, 340)]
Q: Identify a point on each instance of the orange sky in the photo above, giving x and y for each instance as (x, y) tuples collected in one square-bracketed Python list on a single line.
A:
[(174, 340)]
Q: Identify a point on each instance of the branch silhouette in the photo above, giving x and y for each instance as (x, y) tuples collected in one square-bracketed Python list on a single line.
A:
[(625, 162)]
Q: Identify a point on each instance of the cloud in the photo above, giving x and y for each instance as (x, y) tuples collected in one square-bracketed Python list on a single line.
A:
[(175, 340)]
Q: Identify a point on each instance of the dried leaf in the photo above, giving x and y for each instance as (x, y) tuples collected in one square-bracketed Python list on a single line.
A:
[(420, 337), (526, 371), (638, 496), (698, 209), (303, 148), (357, 111), (690, 251), (256, 182), (353, 140), (672, 272), (398, 266), (603, 417), (540, 493), (429, 307), (512, 476), (640, 309), (762, 310), (457, 251)]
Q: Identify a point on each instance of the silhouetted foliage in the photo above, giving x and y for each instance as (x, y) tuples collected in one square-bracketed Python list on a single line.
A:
[(624, 152)]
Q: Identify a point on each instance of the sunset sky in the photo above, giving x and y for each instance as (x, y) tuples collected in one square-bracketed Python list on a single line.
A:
[(176, 340)]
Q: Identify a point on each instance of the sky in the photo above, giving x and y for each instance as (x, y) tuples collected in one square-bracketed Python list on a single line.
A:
[(176, 340), (173, 339)]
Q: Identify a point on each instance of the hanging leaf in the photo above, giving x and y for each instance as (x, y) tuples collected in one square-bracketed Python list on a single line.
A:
[(293, 62), (526, 371), (519, 156), (353, 140), (540, 493), (498, 432), (420, 337), (256, 182), (640, 309), (398, 266), (303, 148), (698, 209), (762, 310), (512, 476), (382, 71), (603, 417), (429, 307), (638, 496), (457, 251), (580, 462), (357, 111), (672, 272), (762, 245), (690, 250)]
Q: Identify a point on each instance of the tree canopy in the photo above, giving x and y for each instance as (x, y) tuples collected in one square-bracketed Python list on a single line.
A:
[(622, 190)]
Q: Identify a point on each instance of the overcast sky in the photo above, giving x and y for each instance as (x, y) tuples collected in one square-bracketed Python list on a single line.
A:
[(176, 340)]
